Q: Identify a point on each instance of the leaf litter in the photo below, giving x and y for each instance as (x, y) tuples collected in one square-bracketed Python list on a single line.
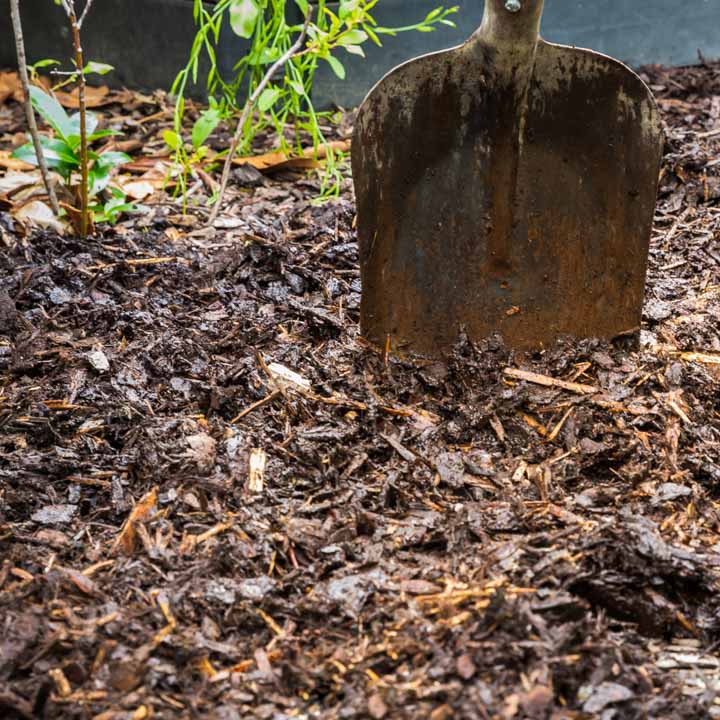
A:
[(216, 500)]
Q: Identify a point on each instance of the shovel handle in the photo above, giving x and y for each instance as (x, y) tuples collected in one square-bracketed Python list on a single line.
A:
[(511, 22)]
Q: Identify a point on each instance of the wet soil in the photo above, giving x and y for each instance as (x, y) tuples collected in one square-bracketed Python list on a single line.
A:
[(218, 501)]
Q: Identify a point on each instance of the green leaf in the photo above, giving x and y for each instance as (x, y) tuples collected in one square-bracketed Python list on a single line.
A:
[(353, 37), (303, 5), (111, 159), (373, 36), (51, 111), (91, 123), (297, 87), (243, 16), (58, 155), (172, 139), (100, 173), (98, 178), (96, 67), (44, 63), (55, 152), (268, 97), (355, 50), (204, 125), (112, 209), (337, 67), (433, 14), (347, 8), (103, 133)]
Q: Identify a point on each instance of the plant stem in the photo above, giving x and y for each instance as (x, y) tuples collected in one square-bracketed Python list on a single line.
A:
[(29, 112), (86, 10), (249, 105), (69, 6)]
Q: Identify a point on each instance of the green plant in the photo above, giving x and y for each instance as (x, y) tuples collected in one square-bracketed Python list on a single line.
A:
[(284, 100), (192, 154), (62, 152)]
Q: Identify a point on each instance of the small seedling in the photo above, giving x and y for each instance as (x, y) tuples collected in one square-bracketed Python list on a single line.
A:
[(62, 152), (189, 156)]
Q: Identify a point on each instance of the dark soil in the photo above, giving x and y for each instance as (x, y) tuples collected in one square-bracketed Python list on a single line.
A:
[(426, 540)]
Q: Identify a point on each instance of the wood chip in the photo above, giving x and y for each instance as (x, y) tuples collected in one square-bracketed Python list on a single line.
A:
[(256, 472), (548, 381)]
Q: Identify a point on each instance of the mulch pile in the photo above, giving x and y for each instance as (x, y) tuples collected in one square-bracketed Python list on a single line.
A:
[(216, 500)]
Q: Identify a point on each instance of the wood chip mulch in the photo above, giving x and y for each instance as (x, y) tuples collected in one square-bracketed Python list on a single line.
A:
[(217, 501)]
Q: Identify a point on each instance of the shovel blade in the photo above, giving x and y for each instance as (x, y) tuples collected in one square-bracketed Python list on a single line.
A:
[(483, 210)]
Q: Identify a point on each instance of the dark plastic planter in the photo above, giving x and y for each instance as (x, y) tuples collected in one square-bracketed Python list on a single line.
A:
[(148, 40)]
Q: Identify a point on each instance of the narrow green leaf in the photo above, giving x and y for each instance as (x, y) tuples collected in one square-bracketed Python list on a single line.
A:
[(297, 87), (97, 67), (103, 133), (44, 63), (337, 67)]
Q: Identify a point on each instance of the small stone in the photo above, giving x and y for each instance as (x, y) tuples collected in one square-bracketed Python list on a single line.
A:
[(376, 707), (607, 693), (465, 667), (98, 360), (671, 491), (54, 514)]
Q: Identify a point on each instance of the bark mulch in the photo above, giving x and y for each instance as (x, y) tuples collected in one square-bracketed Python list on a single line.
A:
[(217, 501)]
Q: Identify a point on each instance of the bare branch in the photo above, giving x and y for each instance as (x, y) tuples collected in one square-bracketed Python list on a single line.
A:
[(68, 6), (82, 112), (85, 11), (249, 105), (29, 112)]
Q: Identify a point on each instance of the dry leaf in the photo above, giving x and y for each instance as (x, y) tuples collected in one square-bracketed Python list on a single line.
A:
[(94, 97), (138, 189), (276, 161), (10, 87), (14, 180), (74, 215), (11, 163), (41, 215)]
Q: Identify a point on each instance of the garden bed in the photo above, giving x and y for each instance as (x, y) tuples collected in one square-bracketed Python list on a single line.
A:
[(216, 500)]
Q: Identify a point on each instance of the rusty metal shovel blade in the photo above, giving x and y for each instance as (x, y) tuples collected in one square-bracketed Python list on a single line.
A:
[(506, 185)]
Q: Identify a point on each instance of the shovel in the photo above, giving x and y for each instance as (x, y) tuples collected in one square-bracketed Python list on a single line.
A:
[(505, 186)]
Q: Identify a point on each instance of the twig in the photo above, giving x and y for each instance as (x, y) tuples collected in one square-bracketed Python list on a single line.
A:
[(29, 112), (69, 6), (85, 11), (547, 381), (249, 105), (255, 406)]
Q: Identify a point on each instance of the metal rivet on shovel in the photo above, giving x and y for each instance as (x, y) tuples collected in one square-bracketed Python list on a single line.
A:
[(505, 186), (513, 6)]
